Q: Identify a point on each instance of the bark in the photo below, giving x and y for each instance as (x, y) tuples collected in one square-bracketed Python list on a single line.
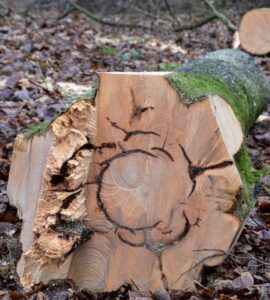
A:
[(131, 190)]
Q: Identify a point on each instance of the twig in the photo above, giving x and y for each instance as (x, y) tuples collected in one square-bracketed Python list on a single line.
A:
[(171, 12), (234, 256), (66, 13), (197, 264), (102, 21), (141, 11), (221, 253), (196, 24), (221, 17)]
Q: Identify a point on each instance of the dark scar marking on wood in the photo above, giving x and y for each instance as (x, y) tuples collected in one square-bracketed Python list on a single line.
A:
[(137, 110), (195, 171), (182, 234), (136, 132), (130, 243), (99, 183), (193, 187), (167, 232), (158, 248), (198, 220), (121, 147), (130, 134), (163, 276), (168, 154), (126, 153), (133, 282), (104, 145)]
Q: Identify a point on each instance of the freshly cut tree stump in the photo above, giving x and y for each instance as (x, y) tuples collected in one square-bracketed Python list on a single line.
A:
[(145, 187), (254, 31)]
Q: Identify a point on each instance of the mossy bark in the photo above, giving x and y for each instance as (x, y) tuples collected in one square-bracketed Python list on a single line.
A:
[(234, 76)]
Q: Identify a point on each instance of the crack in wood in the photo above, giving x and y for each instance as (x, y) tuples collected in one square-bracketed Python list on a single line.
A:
[(67, 201), (129, 134), (137, 110), (197, 222), (130, 243), (195, 171), (163, 276), (126, 153), (168, 154), (104, 145)]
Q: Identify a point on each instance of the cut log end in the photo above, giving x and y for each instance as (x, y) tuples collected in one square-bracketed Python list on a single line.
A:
[(254, 31), (136, 187)]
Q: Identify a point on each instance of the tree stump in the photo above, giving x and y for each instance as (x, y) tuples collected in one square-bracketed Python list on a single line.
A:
[(146, 186), (254, 31)]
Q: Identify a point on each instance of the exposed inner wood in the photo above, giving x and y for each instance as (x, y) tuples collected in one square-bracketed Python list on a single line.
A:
[(131, 193), (254, 31), (166, 188)]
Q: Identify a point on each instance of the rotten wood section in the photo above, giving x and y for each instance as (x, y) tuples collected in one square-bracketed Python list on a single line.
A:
[(129, 190)]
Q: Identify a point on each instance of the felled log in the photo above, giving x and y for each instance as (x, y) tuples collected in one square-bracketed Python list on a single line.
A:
[(254, 31), (146, 186)]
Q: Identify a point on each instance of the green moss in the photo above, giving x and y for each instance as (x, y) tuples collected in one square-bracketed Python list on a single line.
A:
[(195, 88), (231, 74), (234, 76), (249, 179), (38, 129), (42, 127)]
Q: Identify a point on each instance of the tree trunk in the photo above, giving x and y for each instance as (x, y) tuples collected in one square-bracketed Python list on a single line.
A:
[(131, 190)]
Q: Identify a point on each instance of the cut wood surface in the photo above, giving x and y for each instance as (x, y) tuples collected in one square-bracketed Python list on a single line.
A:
[(255, 31), (130, 190)]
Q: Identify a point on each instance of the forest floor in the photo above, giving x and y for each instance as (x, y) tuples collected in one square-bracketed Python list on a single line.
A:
[(44, 61)]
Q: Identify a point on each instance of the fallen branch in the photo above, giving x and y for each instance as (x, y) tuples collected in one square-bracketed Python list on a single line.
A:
[(196, 24), (66, 13), (102, 21), (221, 17), (171, 12)]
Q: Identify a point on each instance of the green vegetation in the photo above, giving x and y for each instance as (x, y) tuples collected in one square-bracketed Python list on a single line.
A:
[(162, 67), (110, 51), (168, 67), (38, 129)]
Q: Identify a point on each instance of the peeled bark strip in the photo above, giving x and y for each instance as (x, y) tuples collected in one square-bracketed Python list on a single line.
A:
[(254, 31), (129, 190)]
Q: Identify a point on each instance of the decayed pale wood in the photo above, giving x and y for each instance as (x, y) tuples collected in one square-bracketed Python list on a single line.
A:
[(254, 31), (151, 178), (37, 163)]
